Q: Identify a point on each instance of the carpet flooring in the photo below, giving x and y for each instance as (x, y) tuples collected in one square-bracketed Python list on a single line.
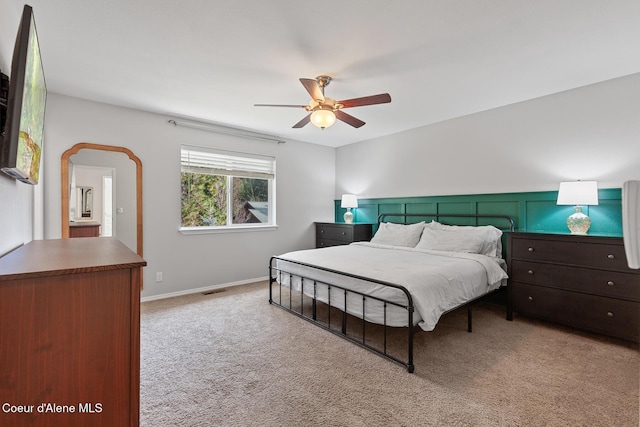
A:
[(232, 359)]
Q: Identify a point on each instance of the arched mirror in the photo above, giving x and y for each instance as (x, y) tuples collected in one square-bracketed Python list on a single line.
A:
[(81, 201)]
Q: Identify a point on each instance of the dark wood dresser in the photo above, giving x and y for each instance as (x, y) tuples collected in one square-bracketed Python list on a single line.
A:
[(70, 333), (334, 234), (578, 281)]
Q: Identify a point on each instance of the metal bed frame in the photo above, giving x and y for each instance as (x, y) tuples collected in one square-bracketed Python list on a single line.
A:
[(288, 302)]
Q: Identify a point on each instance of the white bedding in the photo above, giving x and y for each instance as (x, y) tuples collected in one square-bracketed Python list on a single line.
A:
[(437, 280)]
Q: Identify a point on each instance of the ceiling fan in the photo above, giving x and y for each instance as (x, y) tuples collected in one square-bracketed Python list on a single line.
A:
[(324, 111)]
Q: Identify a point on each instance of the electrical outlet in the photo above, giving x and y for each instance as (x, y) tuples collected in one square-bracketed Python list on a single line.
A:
[(159, 276)]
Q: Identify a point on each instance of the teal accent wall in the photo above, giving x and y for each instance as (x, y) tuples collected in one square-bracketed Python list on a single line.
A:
[(532, 212)]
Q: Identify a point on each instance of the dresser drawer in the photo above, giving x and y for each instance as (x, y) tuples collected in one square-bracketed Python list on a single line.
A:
[(335, 232), (598, 314), (325, 243), (615, 284), (596, 253)]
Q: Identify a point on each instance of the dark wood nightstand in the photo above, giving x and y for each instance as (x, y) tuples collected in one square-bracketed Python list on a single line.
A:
[(578, 281), (334, 234)]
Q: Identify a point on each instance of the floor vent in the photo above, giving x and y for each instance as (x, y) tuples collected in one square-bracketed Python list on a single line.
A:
[(215, 291)]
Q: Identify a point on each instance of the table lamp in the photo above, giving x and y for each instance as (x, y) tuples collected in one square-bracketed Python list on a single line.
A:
[(578, 193), (349, 201)]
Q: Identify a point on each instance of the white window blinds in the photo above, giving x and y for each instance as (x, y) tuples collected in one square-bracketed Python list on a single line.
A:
[(218, 162)]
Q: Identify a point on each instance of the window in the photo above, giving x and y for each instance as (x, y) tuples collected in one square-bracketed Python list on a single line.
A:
[(223, 189)]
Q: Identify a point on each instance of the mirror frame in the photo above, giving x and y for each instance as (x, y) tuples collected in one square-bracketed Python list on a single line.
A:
[(64, 185)]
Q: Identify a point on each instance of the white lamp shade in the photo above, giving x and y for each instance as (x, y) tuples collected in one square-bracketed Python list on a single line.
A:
[(578, 193), (349, 201)]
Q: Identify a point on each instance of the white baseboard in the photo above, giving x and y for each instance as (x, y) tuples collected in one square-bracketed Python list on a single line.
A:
[(204, 289)]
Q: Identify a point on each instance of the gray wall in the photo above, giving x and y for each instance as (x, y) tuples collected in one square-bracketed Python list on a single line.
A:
[(305, 187), (586, 133), (589, 133)]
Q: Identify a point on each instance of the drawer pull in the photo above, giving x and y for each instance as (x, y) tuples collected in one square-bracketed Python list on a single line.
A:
[(344, 233), (530, 271), (610, 256), (530, 298), (610, 283), (531, 249), (322, 231), (610, 314)]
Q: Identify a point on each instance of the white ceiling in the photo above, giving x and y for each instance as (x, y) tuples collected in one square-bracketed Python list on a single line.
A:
[(212, 60)]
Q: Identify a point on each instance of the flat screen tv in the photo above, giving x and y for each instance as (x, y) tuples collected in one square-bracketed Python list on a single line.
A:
[(22, 141)]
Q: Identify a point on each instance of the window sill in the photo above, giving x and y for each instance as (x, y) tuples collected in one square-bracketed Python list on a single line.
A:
[(234, 229)]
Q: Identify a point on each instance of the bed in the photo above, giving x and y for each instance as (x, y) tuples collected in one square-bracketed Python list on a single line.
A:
[(415, 269)]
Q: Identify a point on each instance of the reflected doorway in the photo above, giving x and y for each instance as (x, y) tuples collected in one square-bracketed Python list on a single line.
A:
[(92, 197)]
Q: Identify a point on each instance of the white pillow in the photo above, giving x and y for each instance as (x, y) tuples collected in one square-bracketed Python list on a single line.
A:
[(398, 234), (492, 236), (468, 241)]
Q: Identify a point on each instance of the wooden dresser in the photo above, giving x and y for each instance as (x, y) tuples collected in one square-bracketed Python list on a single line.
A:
[(578, 281), (70, 333), (84, 229), (334, 234)]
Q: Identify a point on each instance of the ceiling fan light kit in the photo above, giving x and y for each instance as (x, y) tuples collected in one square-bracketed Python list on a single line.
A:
[(323, 112), (323, 118)]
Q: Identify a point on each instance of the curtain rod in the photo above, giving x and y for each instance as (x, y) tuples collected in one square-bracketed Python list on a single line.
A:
[(227, 130)]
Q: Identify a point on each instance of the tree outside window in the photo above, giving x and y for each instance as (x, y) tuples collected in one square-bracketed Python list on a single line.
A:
[(223, 189)]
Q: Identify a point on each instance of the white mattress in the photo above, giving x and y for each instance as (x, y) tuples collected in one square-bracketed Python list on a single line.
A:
[(438, 281)]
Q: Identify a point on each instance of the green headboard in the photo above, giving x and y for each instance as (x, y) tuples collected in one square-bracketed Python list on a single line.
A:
[(532, 211)]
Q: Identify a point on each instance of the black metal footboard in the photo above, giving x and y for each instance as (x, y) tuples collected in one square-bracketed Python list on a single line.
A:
[(296, 305), (305, 305)]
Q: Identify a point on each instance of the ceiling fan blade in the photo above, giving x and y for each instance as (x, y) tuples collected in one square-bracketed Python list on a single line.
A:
[(303, 122), (382, 98), (348, 119), (279, 105), (313, 88)]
